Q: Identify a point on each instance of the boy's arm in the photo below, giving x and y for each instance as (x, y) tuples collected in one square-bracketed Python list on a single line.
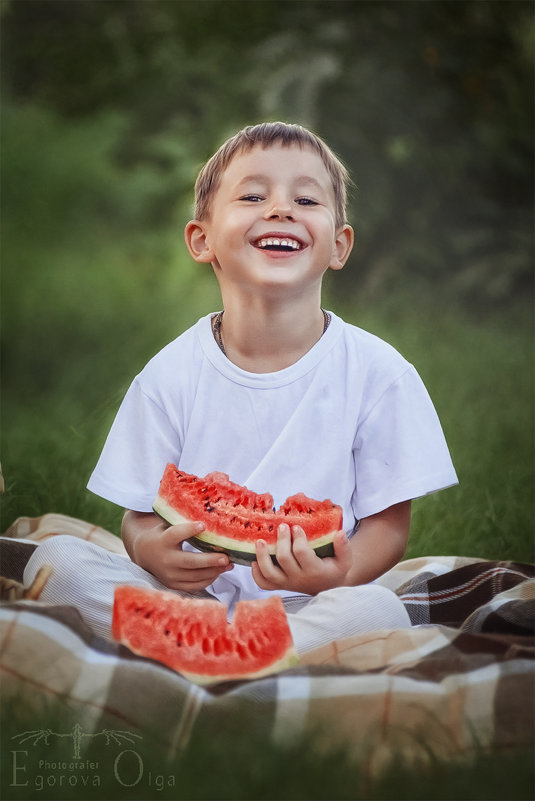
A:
[(157, 547), (377, 546), (379, 543)]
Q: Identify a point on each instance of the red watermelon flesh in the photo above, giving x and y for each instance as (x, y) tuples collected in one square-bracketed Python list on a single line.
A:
[(193, 636), (235, 517)]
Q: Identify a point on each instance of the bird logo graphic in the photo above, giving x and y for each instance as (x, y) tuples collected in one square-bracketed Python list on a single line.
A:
[(111, 736)]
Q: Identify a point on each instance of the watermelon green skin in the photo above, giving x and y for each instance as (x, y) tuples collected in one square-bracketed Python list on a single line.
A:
[(235, 517), (193, 636)]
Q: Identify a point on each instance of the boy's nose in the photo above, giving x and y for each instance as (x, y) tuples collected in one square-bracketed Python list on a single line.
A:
[(279, 208)]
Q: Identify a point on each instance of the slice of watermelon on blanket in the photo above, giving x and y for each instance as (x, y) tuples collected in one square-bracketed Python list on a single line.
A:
[(193, 636)]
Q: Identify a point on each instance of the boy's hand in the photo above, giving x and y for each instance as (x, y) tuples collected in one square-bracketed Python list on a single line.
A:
[(299, 568), (378, 545), (157, 548)]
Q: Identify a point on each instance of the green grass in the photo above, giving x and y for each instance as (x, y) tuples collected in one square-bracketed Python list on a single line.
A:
[(478, 369), (230, 766)]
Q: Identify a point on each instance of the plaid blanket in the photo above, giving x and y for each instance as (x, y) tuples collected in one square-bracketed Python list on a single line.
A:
[(461, 678)]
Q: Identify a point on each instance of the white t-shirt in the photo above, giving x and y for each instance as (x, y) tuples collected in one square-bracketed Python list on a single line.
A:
[(350, 421)]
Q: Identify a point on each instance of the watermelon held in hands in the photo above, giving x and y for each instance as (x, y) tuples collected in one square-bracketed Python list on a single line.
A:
[(193, 636), (235, 517)]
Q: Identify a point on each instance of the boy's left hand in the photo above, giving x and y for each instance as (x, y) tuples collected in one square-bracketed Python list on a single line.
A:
[(299, 569)]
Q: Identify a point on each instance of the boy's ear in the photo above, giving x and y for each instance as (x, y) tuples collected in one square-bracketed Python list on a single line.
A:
[(197, 243), (343, 245)]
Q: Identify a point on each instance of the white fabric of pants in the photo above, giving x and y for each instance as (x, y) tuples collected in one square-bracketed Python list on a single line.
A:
[(85, 576)]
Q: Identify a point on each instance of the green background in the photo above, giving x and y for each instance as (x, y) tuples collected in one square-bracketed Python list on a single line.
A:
[(108, 111)]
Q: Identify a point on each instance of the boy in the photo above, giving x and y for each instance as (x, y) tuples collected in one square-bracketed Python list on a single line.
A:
[(278, 393)]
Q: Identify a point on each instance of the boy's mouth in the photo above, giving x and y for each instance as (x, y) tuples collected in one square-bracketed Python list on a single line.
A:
[(285, 244)]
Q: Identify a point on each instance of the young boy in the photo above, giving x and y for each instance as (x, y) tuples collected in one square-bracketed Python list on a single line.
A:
[(280, 394)]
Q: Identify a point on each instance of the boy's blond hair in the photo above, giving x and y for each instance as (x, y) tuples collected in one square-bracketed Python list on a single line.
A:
[(266, 134)]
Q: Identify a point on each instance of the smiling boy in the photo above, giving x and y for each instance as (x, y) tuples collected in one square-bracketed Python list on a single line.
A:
[(280, 394)]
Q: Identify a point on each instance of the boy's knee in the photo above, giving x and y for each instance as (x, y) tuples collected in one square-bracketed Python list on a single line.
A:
[(359, 594), (369, 605), (58, 552)]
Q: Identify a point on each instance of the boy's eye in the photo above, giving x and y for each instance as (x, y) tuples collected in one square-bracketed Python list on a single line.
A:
[(252, 198), (306, 201)]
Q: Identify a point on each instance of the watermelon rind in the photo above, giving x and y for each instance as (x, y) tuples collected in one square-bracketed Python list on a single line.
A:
[(170, 515), (209, 541)]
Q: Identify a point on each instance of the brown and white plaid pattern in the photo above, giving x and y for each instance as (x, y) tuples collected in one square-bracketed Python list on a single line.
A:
[(462, 680)]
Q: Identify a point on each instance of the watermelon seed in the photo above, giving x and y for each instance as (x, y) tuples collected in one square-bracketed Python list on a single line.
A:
[(147, 614), (167, 632), (247, 524)]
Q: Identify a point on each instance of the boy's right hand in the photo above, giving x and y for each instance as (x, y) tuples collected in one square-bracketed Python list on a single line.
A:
[(157, 548)]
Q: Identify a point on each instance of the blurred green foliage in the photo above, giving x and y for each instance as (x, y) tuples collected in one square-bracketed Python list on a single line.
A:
[(428, 103), (110, 108)]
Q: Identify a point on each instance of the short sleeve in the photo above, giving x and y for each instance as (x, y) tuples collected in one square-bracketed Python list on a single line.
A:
[(140, 443), (400, 451)]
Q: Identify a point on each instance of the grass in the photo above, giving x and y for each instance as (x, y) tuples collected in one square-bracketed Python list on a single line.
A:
[(236, 768), (478, 370)]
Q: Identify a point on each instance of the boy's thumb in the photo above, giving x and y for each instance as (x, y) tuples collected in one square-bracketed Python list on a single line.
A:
[(180, 532), (341, 546)]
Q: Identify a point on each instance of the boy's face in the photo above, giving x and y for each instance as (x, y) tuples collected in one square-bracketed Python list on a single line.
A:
[(272, 222)]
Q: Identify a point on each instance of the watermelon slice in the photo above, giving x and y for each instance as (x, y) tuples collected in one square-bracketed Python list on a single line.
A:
[(193, 636), (235, 517)]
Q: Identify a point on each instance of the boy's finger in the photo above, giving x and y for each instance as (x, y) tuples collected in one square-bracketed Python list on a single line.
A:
[(189, 586), (302, 550), (194, 559), (205, 574), (260, 580), (341, 548), (183, 531), (266, 567), (283, 552)]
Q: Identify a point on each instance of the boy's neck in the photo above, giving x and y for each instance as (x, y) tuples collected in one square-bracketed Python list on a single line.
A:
[(265, 338)]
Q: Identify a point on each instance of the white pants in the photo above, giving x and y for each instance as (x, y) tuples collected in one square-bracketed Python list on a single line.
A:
[(85, 576)]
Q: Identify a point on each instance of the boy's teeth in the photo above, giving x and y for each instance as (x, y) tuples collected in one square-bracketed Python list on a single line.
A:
[(275, 242)]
